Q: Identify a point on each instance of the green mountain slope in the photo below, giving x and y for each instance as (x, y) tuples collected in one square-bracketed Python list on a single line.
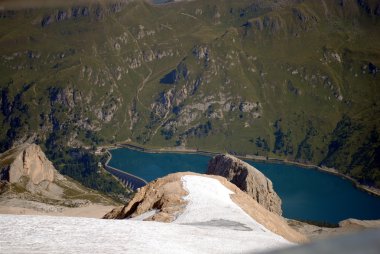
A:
[(286, 79)]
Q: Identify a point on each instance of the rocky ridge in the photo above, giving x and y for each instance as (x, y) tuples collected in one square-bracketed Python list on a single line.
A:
[(348, 226), (248, 179), (164, 195), (163, 200)]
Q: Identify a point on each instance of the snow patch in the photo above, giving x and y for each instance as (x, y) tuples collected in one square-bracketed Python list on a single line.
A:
[(211, 223), (145, 215), (209, 201)]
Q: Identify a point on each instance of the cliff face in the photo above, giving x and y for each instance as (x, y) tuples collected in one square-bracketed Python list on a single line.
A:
[(248, 179), (28, 161), (32, 162)]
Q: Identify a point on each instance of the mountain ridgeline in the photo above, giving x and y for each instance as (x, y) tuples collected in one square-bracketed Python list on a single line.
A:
[(288, 79)]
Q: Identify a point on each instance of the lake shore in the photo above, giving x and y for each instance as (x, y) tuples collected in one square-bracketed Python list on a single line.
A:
[(134, 182), (369, 189)]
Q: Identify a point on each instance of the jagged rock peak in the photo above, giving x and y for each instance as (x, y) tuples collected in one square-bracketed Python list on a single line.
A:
[(248, 179), (27, 160)]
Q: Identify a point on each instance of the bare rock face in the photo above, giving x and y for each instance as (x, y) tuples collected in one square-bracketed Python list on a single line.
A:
[(27, 160), (248, 179), (163, 195)]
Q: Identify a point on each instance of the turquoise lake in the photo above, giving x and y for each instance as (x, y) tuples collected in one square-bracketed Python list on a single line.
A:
[(306, 194)]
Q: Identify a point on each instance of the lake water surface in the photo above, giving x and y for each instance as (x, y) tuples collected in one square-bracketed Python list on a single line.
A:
[(306, 194)]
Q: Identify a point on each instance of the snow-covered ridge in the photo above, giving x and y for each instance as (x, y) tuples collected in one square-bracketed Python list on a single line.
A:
[(209, 203), (210, 223)]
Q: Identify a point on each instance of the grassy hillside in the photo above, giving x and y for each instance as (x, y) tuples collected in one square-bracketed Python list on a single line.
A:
[(285, 79)]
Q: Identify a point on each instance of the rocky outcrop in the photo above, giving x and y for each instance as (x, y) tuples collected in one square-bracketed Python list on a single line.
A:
[(96, 11), (359, 224), (248, 179), (164, 195), (163, 200), (27, 161), (314, 232), (27, 176)]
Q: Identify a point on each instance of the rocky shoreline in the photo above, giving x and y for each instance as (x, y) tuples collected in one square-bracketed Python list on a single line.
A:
[(369, 189)]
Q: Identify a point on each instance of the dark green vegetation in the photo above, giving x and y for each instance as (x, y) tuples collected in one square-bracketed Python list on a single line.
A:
[(82, 165), (286, 79)]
